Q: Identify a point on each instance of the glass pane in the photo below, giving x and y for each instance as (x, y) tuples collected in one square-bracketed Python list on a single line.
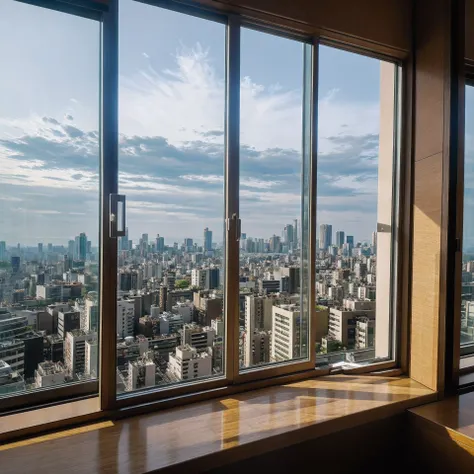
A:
[(273, 320), (171, 167), (467, 308), (355, 202), (49, 198)]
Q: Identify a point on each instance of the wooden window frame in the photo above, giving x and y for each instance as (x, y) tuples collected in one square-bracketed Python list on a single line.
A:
[(232, 380)]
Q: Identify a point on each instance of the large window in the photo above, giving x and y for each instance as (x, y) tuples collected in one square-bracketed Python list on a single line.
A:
[(170, 321), (49, 199), (467, 292), (357, 203), (246, 228), (273, 194)]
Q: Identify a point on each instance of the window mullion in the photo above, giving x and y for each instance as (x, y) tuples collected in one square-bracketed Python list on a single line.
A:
[(312, 63), (232, 145), (109, 185)]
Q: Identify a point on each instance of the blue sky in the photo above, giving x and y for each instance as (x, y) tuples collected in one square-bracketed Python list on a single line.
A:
[(171, 128)]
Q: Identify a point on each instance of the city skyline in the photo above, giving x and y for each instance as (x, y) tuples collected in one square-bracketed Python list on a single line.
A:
[(171, 163), (200, 242)]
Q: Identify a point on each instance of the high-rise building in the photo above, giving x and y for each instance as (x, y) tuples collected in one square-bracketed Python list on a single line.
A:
[(275, 244), (258, 313), (198, 278), (295, 233), (50, 248), (374, 239), (325, 236), (187, 363), (288, 235), (198, 337), (256, 348), (70, 249), (212, 279), (340, 238), (40, 248), (123, 241), (188, 244), (125, 317), (207, 240), (75, 350), (3, 251), (286, 333), (350, 240), (68, 321), (80, 244), (141, 372), (15, 263), (160, 243)]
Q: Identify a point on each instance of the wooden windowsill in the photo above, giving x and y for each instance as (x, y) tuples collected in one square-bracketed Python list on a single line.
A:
[(216, 432)]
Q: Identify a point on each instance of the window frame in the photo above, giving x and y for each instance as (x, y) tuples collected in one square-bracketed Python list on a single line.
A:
[(105, 386), (466, 351)]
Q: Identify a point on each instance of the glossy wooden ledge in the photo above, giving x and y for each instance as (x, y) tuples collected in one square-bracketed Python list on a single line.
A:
[(455, 415), (215, 432), (49, 418)]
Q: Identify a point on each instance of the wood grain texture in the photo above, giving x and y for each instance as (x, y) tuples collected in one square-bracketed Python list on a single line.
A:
[(444, 434), (425, 279), (213, 433), (387, 22), (49, 415), (434, 206)]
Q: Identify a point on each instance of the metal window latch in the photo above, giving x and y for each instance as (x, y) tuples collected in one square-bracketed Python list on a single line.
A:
[(458, 245), (383, 227), (117, 215), (234, 227)]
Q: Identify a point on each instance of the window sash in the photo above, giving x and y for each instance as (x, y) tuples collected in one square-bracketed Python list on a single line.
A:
[(109, 135)]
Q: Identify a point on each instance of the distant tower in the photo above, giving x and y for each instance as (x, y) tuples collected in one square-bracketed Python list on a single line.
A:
[(207, 239), (325, 236), (295, 233), (374, 239), (340, 238)]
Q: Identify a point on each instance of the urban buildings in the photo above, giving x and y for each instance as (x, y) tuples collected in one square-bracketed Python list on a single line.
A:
[(170, 319), (325, 236)]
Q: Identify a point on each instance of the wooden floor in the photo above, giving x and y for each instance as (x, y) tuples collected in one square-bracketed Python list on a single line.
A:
[(213, 433)]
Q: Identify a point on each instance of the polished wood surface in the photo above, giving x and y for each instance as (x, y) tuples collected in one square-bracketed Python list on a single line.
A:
[(444, 434), (213, 433), (51, 417), (382, 23), (456, 414), (435, 138)]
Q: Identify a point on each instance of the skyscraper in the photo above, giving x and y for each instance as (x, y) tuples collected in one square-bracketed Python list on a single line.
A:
[(295, 233), (3, 251), (40, 248), (374, 239), (160, 243), (325, 236), (350, 240), (70, 249), (15, 263), (81, 246), (188, 244), (288, 234), (340, 238), (123, 241), (207, 239)]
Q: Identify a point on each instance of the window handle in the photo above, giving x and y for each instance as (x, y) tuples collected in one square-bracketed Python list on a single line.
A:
[(117, 215), (234, 226)]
